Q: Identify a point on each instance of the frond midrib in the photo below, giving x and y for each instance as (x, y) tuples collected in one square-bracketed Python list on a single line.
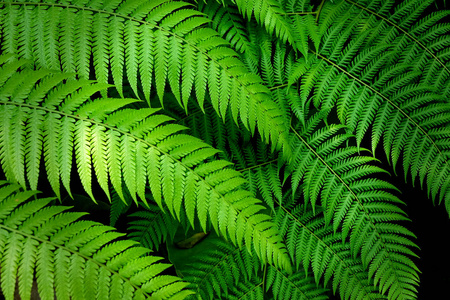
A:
[(278, 86), (104, 266), (243, 296), (258, 165)]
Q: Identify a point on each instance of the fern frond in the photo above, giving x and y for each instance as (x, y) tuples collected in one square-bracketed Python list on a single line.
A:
[(217, 270), (415, 36), (152, 226), (176, 164), (252, 157), (391, 101), (352, 196), (269, 14), (227, 21), (345, 183), (136, 42), (295, 286), (73, 259), (303, 17), (119, 207), (314, 245), (252, 290), (214, 267)]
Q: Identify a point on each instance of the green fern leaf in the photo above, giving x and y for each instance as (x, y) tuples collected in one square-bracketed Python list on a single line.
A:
[(170, 158), (217, 270), (152, 226), (326, 171), (228, 23), (270, 14), (350, 198), (394, 102), (161, 25), (256, 163), (316, 246), (70, 255), (416, 34), (119, 208)]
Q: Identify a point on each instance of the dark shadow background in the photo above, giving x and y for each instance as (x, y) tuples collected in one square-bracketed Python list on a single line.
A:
[(431, 224)]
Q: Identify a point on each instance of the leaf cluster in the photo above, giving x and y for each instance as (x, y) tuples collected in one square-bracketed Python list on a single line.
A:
[(254, 124)]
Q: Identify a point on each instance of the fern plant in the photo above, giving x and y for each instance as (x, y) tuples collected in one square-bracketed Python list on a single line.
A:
[(251, 163)]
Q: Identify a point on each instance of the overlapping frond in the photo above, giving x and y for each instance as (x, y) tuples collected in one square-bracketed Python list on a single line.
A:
[(295, 286), (348, 274), (251, 156), (380, 68), (352, 197), (73, 259), (317, 247), (228, 22), (151, 226), (327, 169), (422, 40), (294, 23), (303, 16), (155, 43), (216, 268), (271, 15), (346, 184), (220, 271), (135, 146), (377, 87), (119, 206)]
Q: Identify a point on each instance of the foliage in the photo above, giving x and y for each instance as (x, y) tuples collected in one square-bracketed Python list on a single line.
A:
[(261, 124)]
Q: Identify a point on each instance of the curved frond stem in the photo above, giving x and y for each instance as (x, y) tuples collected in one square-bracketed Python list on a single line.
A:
[(243, 296), (319, 10), (303, 13), (198, 112), (279, 86), (264, 278), (330, 169), (258, 165), (440, 62)]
